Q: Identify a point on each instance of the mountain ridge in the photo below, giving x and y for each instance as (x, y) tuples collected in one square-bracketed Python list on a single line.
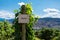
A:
[(42, 22), (47, 22)]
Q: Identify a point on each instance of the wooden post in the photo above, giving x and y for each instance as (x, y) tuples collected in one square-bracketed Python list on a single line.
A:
[(23, 32), (23, 19)]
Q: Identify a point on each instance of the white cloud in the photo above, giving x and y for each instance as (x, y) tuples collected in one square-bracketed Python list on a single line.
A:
[(6, 15), (21, 3), (51, 12)]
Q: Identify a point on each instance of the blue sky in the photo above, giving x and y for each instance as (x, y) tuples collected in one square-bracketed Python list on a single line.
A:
[(42, 8)]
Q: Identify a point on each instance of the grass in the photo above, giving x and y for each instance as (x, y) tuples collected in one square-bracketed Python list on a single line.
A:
[(36, 38)]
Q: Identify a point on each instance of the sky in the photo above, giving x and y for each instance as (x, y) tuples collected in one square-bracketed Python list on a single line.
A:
[(41, 8)]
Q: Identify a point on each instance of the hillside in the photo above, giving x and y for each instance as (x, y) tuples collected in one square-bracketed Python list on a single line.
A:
[(47, 22), (9, 20), (42, 22)]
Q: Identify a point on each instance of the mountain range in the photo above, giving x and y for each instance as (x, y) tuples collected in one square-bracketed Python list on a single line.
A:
[(9, 20), (42, 22), (47, 22)]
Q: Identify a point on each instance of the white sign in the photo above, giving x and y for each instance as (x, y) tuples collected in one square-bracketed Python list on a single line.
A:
[(23, 18)]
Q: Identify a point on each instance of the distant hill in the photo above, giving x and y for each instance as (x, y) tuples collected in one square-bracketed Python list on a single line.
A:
[(42, 22), (9, 20), (2, 19), (47, 22)]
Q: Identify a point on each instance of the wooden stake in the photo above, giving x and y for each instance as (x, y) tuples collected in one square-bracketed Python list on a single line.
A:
[(23, 32)]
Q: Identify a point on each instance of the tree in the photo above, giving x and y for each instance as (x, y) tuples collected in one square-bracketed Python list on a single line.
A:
[(48, 34), (6, 31), (30, 32), (27, 9)]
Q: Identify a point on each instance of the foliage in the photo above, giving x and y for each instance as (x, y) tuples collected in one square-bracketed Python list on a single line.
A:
[(48, 34), (36, 38), (56, 38), (6, 31), (27, 9), (29, 33)]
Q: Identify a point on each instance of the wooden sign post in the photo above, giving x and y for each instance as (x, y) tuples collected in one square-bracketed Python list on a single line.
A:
[(23, 19)]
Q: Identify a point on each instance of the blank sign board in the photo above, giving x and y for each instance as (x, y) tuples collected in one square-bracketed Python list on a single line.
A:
[(23, 18)]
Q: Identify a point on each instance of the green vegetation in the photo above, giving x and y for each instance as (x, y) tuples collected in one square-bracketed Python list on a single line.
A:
[(36, 38), (27, 9), (6, 31), (29, 33), (48, 34)]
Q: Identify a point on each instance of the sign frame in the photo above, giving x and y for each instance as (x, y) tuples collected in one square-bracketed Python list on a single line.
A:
[(23, 18)]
